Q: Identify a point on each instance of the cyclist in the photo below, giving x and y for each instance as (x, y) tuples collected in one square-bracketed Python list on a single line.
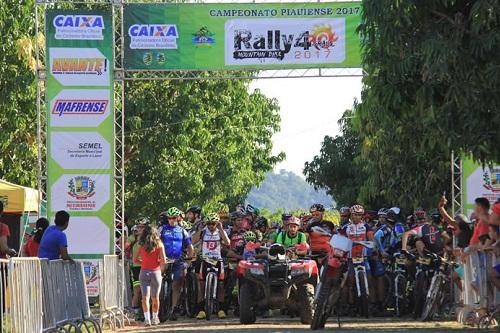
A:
[(428, 235), (263, 232), (175, 240), (356, 230), (292, 236), (345, 215), (319, 241), (212, 237), (132, 246), (193, 216)]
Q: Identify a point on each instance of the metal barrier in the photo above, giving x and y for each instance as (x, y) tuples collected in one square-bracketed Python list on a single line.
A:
[(478, 294), (5, 315), (111, 292)]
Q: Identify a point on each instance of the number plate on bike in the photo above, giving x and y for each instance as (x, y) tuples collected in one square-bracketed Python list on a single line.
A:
[(211, 261), (401, 261), (424, 261), (358, 260)]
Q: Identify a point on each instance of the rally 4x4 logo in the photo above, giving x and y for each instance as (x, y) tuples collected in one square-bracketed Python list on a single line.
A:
[(81, 187), (275, 44)]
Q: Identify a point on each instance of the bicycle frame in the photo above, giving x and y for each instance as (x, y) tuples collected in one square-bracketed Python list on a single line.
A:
[(358, 269)]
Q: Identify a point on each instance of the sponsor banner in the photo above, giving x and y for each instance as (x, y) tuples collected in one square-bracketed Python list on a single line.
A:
[(80, 150), (87, 235), (91, 270), (80, 108), (80, 193), (80, 129), (479, 182), (79, 66), (248, 35)]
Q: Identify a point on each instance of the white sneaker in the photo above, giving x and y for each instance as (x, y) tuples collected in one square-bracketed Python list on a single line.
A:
[(155, 321), (147, 322)]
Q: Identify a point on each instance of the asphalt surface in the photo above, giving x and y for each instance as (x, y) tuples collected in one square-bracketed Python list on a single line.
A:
[(292, 325)]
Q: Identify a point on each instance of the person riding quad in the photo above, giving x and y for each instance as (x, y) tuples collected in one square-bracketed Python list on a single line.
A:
[(292, 236), (319, 241), (175, 240), (212, 238)]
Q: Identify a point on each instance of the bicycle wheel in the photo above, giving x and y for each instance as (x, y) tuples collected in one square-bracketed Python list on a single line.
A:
[(431, 301), (320, 307), (363, 294), (191, 299), (400, 299), (210, 288), (165, 300), (419, 294)]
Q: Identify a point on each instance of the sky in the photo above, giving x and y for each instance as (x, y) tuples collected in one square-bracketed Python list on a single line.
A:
[(309, 109)]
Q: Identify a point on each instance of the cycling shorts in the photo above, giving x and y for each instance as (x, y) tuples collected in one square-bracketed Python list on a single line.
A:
[(179, 270), (136, 270), (351, 267)]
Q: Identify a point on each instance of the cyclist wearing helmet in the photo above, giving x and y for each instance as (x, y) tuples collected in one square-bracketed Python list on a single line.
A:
[(345, 215), (175, 240), (428, 235), (236, 236), (212, 237), (264, 234), (357, 230), (319, 241), (292, 236), (132, 246), (193, 216)]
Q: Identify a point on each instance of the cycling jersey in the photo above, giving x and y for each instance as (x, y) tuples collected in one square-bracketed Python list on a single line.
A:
[(431, 236), (388, 238), (236, 239), (357, 232), (211, 243), (174, 239), (284, 239)]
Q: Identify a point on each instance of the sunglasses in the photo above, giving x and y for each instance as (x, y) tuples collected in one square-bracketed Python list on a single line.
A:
[(357, 214)]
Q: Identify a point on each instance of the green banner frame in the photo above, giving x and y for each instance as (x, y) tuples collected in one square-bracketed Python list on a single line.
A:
[(251, 36)]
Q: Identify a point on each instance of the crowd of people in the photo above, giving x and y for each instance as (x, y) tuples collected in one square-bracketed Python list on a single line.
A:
[(182, 238)]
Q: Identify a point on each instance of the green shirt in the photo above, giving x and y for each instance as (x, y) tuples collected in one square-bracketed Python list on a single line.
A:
[(135, 248), (287, 241)]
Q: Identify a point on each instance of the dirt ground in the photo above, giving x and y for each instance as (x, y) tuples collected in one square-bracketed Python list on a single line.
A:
[(288, 325)]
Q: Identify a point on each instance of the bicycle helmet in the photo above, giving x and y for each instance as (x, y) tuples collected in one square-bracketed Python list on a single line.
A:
[(317, 207), (419, 213), (344, 210), (212, 218), (174, 212), (357, 209), (252, 210), (391, 216), (143, 221), (293, 220), (261, 222), (286, 216), (222, 208), (163, 218), (382, 212), (249, 236), (436, 217), (195, 210)]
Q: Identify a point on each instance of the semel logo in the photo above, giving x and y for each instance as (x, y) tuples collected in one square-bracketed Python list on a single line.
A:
[(78, 106), (153, 36), (87, 27)]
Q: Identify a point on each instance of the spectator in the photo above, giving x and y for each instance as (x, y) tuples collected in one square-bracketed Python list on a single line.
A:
[(4, 235), (32, 245), (54, 244), (494, 233), (481, 228)]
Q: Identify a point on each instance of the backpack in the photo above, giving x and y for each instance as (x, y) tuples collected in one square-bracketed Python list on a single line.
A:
[(431, 236), (283, 236)]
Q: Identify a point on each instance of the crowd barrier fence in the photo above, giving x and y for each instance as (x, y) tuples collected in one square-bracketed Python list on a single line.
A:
[(112, 292)]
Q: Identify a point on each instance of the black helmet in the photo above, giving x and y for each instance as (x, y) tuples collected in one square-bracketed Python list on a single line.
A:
[(392, 216), (261, 221), (317, 207), (436, 217), (196, 210), (163, 218)]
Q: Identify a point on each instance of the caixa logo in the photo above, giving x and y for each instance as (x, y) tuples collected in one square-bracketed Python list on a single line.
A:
[(79, 26), (153, 36)]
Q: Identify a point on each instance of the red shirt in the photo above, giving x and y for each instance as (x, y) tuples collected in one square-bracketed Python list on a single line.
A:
[(31, 248), (150, 260), (4, 231), (481, 228)]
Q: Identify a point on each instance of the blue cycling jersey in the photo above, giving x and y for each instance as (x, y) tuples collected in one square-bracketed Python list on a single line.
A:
[(388, 238), (175, 240)]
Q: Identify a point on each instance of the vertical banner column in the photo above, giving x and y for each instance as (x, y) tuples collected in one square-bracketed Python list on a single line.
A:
[(80, 133)]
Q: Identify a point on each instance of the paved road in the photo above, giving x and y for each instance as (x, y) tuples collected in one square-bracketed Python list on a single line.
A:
[(287, 325)]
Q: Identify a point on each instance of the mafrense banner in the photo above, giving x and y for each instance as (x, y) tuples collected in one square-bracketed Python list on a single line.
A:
[(80, 134), (479, 182), (241, 36)]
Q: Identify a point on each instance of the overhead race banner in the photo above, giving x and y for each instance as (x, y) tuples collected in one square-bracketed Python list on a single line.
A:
[(201, 36), (479, 182), (80, 133)]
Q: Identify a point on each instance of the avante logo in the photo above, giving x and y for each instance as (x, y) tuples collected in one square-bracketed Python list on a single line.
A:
[(153, 30), (79, 106), (78, 21), (96, 66)]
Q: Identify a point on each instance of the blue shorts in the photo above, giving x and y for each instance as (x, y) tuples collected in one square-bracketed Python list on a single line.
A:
[(377, 267), (367, 267), (497, 269), (179, 269)]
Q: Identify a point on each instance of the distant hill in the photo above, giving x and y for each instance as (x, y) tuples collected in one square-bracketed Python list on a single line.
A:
[(288, 191)]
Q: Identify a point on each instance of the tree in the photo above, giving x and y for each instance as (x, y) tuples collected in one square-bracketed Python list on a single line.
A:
[(196, 142), (18, 147)]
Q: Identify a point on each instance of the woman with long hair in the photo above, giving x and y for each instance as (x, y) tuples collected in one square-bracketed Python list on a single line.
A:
[(151, 256), (31, 247)]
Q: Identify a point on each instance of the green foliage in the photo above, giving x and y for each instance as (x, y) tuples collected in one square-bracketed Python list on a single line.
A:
[(196, 142), (330, 214), (18, 162), (287, 191)]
